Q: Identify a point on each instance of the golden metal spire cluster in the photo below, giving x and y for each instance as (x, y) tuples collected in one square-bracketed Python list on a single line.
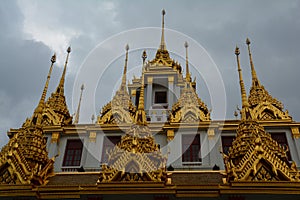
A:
[(120, 110), (255, 155), (57, 101), (261, 104)]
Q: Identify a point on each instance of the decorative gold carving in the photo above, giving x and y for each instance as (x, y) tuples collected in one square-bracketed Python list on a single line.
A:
[(150, 80), (170, 134), (135, 158), (171, 78), (189, 108), (93, 136), (255, 156), (295, 132), (211, 132), (55, 137), (133, 92), (24, 160)]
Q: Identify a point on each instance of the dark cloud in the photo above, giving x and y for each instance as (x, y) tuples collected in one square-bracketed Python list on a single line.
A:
[(32, 31)]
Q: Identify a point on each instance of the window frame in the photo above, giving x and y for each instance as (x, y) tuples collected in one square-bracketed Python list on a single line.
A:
[(76, 156), (191, 149)]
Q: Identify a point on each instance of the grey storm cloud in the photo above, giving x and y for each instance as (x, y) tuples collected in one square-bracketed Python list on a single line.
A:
[(31, 31)]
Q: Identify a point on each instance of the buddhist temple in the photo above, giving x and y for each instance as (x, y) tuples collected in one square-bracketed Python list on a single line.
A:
[(155, 139)]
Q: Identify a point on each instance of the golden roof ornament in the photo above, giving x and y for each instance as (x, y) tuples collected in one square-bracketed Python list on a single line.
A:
[(136, 157), (263, 105), (120, 109), (189, 108), (24, 160), (57, 111), (254, 155), (162, 57)]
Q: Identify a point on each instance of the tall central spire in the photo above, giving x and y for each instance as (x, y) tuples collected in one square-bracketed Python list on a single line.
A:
[(245, 105), (188, 75), (123, 85), (255, 81), (162, 42)]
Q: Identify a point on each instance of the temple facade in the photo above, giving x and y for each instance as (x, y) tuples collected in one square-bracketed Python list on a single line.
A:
[(155, 139)]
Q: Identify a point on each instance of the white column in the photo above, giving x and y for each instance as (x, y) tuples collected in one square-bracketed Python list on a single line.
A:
[(170, 91), (149, 93)]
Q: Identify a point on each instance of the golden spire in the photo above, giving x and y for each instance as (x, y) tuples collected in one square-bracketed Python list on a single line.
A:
[(255, 81), (60, 87), (245, 104), (78, 108), (123, 85), (188, 75), (140, 117), (43, 97), (162, 42)]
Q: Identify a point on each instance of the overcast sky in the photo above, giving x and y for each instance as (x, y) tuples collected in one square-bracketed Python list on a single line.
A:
[(31, 31)]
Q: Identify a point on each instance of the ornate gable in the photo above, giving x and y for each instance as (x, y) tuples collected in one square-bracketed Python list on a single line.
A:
[(255, 156), (189, 108), (135, 158)]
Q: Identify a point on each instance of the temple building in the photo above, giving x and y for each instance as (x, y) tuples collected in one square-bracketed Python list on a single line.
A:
[(156, 140)]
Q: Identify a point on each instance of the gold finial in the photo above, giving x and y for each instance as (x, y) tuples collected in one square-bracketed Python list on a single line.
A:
[(78, 108), (53, 58), (162, 42), (188, 75), (144, 56), (44, 94), (60, 87), (123, 85), (255, 81), (140, 117), (245, 104)]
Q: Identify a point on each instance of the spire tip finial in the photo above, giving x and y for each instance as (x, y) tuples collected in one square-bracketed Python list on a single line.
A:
[(127, 47), (186, 44), (69, 49), (53, 58), (248, 41), (237, 51), (163, 12)]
